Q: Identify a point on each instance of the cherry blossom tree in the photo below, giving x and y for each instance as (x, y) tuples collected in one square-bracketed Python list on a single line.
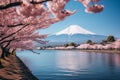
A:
[(19, 19), (114, 45)]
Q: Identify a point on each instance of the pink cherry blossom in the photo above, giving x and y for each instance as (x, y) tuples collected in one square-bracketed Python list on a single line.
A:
[(85, 2), (95, 0), (94, 9)]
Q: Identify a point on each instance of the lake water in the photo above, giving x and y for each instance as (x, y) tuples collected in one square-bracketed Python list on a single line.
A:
[(72, 65)]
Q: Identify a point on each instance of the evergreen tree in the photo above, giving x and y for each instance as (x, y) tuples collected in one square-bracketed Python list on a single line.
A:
[(110, 38), (66, 45), (72, 44), (88, 42)]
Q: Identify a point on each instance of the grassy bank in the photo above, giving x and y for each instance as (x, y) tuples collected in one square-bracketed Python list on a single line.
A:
[(14, 69)]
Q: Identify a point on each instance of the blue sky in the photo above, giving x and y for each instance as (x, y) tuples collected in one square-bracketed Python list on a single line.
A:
[(104, 23)]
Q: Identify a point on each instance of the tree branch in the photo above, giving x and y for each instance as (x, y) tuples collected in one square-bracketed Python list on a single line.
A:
[(34, 52), (14, 4), (7, 41), (20, 24), (13, 32)]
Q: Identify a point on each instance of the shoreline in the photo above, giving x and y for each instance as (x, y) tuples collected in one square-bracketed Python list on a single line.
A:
[(88, 50), (14, 69), (102, 51)]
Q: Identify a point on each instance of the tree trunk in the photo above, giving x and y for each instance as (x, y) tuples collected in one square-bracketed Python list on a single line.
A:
[(0, 62), (3, 54), (1, 66), (7, 53)]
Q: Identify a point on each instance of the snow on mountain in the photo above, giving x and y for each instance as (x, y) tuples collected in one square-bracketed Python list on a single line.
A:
[(74, 29)]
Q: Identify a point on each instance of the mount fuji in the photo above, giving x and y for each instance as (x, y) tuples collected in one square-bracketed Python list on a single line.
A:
[(74, 29), (73, 33)]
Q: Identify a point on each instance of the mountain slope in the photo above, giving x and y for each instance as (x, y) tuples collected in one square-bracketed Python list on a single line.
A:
[(74, 29)]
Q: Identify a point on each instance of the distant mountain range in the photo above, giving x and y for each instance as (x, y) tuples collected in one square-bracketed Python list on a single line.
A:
[(74, 33)]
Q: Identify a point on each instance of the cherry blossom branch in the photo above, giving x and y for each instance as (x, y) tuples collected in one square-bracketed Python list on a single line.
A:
[(6, 41), (20, 24), (14, 4), (34, 52), (14, 32)]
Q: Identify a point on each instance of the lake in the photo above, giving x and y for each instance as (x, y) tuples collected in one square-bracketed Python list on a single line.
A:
[(72, 65)]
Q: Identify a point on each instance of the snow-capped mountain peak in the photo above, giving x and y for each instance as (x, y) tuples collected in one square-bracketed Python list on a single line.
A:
[(74, 29)]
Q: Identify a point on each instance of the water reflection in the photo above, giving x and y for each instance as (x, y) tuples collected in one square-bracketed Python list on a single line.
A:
[(72, 60), (113, 60), (73, 65)]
